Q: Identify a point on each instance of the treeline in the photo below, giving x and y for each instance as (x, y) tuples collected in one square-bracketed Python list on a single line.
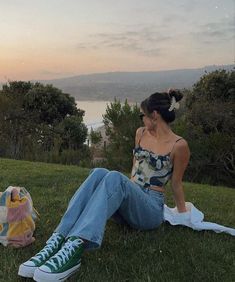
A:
[(41, 123)]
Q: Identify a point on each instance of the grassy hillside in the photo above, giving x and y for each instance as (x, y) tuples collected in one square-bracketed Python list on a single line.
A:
[(167, 254)]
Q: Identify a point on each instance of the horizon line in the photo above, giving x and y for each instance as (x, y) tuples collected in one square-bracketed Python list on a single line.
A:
[(121, 72)]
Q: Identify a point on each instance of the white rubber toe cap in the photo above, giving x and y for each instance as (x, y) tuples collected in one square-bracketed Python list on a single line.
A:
[(27, 270)]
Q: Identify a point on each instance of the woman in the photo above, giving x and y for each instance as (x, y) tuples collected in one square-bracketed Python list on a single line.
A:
[(159, 155)]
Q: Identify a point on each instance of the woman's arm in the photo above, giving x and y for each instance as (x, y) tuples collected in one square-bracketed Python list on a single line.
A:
[(138, 134), (181, 157)]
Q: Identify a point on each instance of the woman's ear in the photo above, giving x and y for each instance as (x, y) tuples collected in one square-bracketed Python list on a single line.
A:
[(155, 115)]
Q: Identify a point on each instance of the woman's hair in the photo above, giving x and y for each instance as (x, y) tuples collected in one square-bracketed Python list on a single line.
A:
[(161, 102)]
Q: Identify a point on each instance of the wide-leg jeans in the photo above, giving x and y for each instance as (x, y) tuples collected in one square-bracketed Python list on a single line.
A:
[(106, 194)]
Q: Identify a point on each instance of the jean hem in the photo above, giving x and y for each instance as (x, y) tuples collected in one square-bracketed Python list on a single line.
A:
[(91, 244)]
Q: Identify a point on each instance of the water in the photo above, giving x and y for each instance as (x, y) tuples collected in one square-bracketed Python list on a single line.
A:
[(93, 112)]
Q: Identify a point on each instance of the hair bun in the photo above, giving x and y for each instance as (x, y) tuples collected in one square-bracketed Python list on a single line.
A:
[(175, 93)]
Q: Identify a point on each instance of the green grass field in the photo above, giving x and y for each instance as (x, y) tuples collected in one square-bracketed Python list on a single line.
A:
[(167, 254)]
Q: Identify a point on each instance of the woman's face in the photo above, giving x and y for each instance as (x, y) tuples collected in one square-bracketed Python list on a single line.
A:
[(147, 120)]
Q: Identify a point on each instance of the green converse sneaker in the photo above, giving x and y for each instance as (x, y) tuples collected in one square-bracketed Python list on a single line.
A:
[(63, 264), (53, 245)]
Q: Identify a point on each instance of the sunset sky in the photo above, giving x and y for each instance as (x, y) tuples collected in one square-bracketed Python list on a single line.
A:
[(45, 39)]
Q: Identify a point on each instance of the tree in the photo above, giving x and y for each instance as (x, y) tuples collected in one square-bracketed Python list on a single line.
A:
[(95, 137), (14, 122), (121, 122), (215, 86), (208, 125), (49, 104), (74, 132), (38, 118)]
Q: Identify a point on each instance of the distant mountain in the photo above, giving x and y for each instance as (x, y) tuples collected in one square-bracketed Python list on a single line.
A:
[(131, 85)]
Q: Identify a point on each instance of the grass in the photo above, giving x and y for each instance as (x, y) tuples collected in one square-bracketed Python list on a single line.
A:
[(166, 254)]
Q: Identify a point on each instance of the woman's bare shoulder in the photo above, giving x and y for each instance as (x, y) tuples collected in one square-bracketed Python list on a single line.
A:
[(181, 141), (138, 135), (181, 145), (140, 131)]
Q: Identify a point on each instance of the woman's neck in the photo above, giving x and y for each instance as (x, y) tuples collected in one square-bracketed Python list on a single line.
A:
[(162, 132)]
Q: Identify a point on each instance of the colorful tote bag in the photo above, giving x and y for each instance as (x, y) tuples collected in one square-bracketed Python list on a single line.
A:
[(17, 217)]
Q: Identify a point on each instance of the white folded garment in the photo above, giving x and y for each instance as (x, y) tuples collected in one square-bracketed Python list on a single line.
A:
[(193, 218)]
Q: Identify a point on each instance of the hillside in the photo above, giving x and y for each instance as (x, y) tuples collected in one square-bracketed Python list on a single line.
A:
[(131, 85), (166, 254)]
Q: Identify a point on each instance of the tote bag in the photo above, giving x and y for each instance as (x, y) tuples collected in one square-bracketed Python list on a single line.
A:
[(17, 217)]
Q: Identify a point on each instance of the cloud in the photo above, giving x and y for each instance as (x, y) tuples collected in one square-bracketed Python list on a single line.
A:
[(87, 45), (188, 6), (215, 32), (153, 52), (143, 35), (173, 18), (146, 41)]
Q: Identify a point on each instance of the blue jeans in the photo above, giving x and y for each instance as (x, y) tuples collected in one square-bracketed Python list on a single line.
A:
[(109, 193)]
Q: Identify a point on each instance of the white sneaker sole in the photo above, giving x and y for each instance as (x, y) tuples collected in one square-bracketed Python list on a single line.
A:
[(26, 271), (42, 276)]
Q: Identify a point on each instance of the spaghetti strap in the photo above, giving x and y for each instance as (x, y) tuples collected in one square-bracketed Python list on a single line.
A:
[(142, 133), (176, 142)]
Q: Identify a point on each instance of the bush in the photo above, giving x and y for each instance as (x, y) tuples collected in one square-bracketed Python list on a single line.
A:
[(121, 122), (208, 126)]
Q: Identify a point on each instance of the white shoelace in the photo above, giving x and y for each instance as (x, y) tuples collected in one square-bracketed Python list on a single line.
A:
[(51, 244), (64, 254)]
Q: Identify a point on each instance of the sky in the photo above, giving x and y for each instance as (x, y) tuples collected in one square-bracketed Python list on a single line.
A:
[(47, 39)]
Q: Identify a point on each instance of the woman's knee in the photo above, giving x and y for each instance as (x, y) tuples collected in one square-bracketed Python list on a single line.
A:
[(113, 175), (99, 171), (115, 180)]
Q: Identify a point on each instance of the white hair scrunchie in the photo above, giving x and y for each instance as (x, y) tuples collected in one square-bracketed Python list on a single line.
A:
[(174, 104)]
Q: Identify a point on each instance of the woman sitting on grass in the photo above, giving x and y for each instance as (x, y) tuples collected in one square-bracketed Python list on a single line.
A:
[(159, 155)]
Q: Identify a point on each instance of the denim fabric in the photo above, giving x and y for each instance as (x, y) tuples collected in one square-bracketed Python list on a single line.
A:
[(105, 194)]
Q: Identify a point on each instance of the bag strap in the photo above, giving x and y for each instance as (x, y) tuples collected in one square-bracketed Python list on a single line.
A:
[(10, 188)]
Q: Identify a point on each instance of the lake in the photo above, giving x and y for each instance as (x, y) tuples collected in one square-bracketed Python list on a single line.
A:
[(93, 112)]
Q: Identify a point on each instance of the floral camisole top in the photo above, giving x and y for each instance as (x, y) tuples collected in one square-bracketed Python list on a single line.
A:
[(151, 169)]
